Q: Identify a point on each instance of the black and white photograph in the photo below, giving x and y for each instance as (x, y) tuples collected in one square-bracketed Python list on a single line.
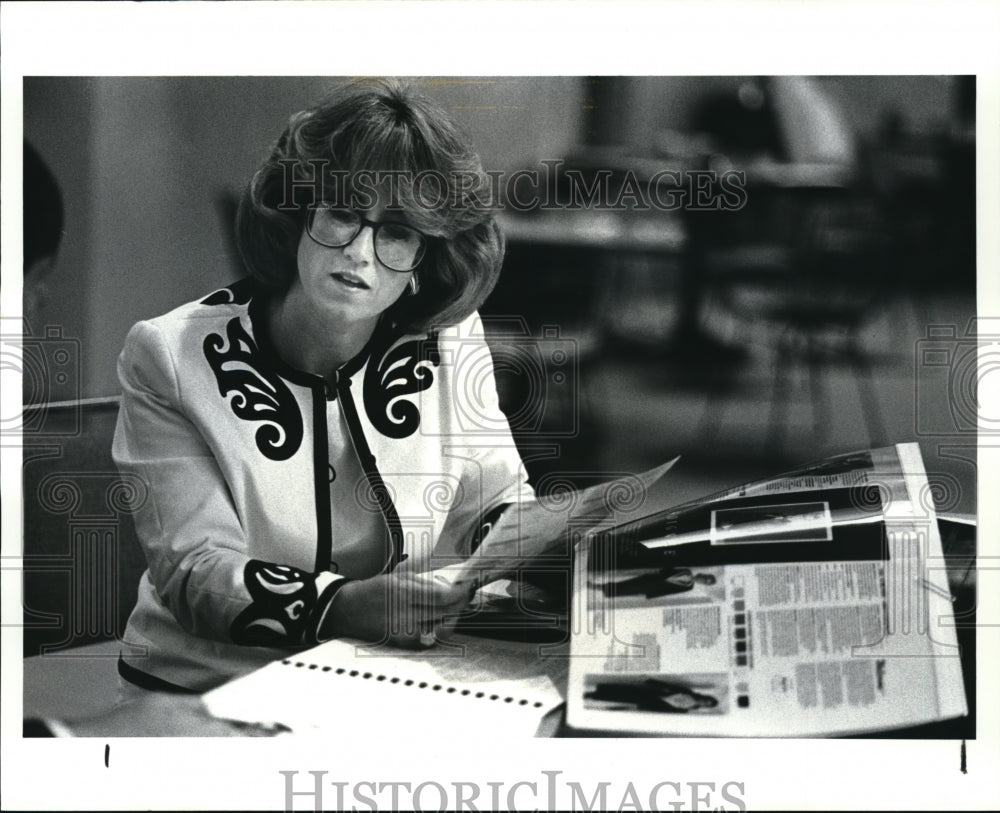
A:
[(288, 337), (671, 584), (661, 694)]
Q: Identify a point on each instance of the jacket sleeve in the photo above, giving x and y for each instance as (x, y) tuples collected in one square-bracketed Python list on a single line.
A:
[(494, 474), (188, 526)]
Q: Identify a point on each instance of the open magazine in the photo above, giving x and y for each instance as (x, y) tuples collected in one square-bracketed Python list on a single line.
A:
[(815, 603)]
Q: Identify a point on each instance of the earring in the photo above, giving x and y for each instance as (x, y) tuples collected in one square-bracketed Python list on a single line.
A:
[(414, 285)]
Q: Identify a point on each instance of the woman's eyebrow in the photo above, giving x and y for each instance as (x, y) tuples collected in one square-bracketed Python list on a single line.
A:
[(396, 216), (387, 215)]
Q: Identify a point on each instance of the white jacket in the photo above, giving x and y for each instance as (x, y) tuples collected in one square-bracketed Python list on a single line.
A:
[(248, 528)]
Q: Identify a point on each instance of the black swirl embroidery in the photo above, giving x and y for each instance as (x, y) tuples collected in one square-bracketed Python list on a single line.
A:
[(404, 370), (239, 293), (283, 598), (260, 394), (490, 518)]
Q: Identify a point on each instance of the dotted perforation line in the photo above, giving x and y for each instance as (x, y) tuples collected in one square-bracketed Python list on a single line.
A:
[(422, 684)]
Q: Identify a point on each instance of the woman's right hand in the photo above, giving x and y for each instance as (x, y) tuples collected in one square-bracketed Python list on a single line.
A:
[(399, 608)]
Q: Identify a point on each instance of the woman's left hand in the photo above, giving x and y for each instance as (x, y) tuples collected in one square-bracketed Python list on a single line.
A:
[(399, 608)]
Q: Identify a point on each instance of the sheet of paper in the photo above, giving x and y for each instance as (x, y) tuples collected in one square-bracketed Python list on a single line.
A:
[(342, 688), (529, 530)]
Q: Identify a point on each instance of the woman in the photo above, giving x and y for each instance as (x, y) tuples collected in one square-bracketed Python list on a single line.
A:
[(317, 437), (667, 581), (651, 694)]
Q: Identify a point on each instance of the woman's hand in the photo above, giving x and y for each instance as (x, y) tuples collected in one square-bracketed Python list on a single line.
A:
[(399, 608)]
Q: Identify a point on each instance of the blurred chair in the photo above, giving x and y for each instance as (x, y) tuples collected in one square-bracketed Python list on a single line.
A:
[(805, 260), (81, 557), (806, 284)]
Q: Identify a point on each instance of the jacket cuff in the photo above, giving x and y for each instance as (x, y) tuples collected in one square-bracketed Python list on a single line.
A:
[(489, 519), (324, 603)]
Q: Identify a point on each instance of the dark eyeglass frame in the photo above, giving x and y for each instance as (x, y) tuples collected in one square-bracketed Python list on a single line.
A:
[(375, 227)]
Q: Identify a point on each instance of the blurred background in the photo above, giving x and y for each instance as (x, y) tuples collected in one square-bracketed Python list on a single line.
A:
[(817, 301), (747, 338)]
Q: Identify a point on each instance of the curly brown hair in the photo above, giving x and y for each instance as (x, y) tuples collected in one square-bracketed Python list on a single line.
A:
[(379, 126)]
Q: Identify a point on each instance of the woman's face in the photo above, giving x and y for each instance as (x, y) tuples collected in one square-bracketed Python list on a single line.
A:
[(349, 283)]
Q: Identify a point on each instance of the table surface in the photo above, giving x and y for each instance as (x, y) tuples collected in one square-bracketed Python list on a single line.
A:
[(82, 683)]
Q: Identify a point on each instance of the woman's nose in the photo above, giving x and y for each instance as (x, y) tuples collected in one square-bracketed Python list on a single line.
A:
[(362, 248)]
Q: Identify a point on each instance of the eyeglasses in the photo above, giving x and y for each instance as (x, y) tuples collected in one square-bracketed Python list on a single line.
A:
[(397, 246)]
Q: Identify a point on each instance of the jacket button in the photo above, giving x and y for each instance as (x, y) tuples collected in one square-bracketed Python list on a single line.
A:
[(333, 474)]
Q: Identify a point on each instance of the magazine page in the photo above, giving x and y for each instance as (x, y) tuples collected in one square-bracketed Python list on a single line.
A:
[(854, 485), (825, 629), (527, 532), (865, 467)]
